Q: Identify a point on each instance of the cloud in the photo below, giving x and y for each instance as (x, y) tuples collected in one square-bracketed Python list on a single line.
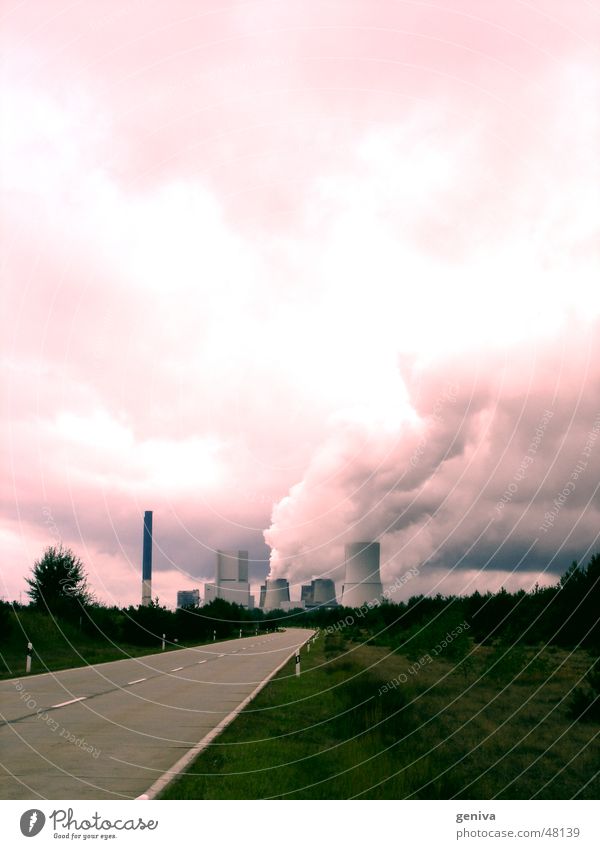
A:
[(247, 251)]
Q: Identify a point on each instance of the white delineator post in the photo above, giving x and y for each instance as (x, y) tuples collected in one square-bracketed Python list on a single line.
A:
[(240, 633), (298, 662), (28, 661), (214, 636), (163, 641)]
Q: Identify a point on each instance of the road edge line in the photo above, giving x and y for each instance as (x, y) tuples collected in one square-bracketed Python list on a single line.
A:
[(167, 777)]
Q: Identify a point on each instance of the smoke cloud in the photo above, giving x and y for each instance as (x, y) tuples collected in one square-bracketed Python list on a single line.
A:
[(493, 468)]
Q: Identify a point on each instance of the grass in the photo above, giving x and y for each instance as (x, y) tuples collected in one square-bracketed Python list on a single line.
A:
[(494, 724), (64, 646)]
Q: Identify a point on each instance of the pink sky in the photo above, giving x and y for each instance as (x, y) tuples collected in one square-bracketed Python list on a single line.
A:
[(248, 248)]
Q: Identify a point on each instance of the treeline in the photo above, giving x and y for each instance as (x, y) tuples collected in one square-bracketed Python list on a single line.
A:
[(566, 615), (62, 606), (135, 626), (146, 625)]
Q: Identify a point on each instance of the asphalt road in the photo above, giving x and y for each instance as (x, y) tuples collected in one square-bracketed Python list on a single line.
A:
[(109, 731)]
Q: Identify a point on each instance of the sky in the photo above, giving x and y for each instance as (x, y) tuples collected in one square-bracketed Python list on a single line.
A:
[(293, 275)]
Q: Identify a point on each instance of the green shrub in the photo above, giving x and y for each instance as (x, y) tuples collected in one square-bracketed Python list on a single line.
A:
[(585, 701)]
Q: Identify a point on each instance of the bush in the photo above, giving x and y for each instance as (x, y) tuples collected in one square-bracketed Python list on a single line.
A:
[(334, 644), (585, 702), (104, 622)]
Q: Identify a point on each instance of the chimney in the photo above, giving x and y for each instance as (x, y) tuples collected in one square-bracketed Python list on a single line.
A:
[(147, 559)]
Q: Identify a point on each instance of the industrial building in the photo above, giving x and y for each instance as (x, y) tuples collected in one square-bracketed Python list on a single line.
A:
[(188, 598), (231, 582), (319, 593), (362, 583)]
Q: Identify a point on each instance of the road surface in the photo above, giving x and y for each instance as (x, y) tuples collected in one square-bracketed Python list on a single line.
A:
[(109, 731)]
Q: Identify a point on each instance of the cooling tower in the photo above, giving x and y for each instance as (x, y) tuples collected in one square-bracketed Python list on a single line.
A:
[(277, 593), (323, 592), (147, 559), (306, 594), (362, 584)]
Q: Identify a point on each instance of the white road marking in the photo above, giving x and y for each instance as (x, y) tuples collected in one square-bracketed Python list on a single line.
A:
[(201, 661), (137, 681), (221, 655), (177, 669), (70, 702)]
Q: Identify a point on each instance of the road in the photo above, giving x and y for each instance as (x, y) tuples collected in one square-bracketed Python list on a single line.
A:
[(109, 731)]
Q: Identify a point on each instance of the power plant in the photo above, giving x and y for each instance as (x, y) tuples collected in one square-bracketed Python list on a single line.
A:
[(231, 583), (147, 559), (319, 593), (277, 594), (362, 584)]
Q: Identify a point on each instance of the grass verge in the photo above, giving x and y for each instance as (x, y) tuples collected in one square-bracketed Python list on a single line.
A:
[(62, 645), (492, 725)]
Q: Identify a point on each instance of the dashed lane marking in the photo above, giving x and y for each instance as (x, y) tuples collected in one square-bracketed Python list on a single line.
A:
[(70, 702)]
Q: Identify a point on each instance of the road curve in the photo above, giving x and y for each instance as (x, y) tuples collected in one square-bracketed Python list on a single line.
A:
[(109, 731)]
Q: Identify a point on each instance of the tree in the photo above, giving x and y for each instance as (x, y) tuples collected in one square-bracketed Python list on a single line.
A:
[(59, 583), (574, 575), (592, 572)]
